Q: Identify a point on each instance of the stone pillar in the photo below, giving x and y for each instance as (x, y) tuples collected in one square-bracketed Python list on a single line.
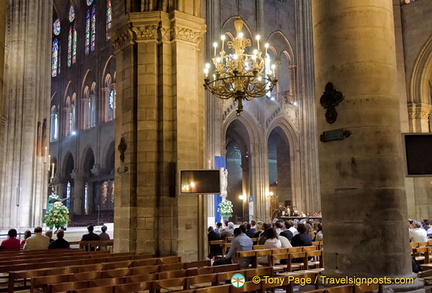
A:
[(362, 181), (159, 129), (77, 193), (308, 200), (27, 83)]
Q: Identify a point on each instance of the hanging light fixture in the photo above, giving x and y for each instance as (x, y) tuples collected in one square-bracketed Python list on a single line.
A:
[(240, 75)]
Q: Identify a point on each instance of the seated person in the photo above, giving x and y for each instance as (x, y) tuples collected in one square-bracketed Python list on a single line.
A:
[(302, 238), (27, 234), (104, 235), (272, 241), (60, 242), (214, 249), (241, 242), (90, 236), (37, 241), (11, 243)]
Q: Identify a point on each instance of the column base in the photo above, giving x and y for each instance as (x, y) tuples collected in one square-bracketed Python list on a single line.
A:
[(417, 287)]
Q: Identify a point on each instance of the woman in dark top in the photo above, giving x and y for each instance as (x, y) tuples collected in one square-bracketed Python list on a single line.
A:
[(302, 238)]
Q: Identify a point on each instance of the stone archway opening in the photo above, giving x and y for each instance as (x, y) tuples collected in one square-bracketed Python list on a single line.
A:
[(280, 183)]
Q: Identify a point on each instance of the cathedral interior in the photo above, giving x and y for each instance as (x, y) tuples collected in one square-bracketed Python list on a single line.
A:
[(102, 103)]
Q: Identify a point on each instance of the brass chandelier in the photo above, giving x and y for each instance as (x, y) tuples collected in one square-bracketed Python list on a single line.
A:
[(240, 75)]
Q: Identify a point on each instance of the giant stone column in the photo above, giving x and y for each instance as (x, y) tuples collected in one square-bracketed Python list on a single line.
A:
[(25, 112), (362, 180), (159, 127)]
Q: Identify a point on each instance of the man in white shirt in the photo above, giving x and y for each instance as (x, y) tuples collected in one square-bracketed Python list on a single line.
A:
[(37, 241), (416, 232)]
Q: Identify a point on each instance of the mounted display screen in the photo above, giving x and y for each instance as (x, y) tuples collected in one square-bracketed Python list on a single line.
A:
[(418, 151), (200, 181)]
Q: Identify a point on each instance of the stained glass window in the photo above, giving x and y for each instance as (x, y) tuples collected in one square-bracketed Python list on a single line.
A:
[(86, 198), (93, 28), (108, 18), (111, 103), (89, 2), (87, 40), (68, 194), (56, 27), (54, 58), (71, 14), (74, 52), (54, 124), (72, 38)]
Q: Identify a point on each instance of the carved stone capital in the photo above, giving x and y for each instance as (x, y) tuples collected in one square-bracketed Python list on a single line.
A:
[(188, 28), (187, 35), (145, 32), (419, 111)]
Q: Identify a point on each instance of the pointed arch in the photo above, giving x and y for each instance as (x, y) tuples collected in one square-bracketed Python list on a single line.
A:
[(421, 77)]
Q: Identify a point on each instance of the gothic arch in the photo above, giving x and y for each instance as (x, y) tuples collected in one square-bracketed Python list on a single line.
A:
[(421, 76), (108, 157), (281, 45), (87, 161), (109, 68), (286, 131), (68, 165)]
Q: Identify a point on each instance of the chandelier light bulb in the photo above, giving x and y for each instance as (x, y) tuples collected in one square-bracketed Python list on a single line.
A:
[(223, 41), (215, 46), (258, 38), (241, 35), (266, 46)]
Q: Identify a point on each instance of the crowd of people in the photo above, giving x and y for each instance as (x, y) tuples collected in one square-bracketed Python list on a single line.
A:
[(284, 234), (40, 241), (278, 234)]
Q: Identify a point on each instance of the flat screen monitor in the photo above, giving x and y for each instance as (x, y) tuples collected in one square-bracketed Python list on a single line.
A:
[(200, 181), (418, 154)]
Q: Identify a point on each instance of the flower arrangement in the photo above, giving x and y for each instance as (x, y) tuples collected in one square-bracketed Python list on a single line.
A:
[(57, 216), (225, 208)]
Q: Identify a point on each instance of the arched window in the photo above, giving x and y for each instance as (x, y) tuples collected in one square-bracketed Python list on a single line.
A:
[(54, 124), (111, 103), (108, 18), (68, 194), (93, 29), (110, 98), (70, 115), (72, 37), (89, 107), (85, 202), (87, 40), (90, 35), (55, 57)]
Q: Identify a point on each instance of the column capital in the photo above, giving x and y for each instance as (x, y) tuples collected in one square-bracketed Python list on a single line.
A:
[(419, 110), (186, 27)]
